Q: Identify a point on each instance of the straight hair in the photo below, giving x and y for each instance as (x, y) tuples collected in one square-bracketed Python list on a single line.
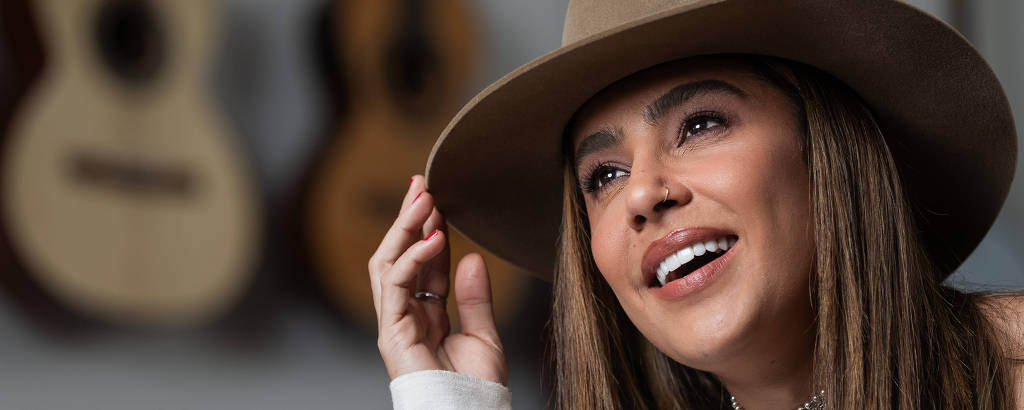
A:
[(888, 334)]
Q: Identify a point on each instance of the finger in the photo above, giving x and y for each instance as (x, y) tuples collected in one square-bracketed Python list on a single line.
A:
[(399, 283), (406, 230), (434, 278), (403, 233), (416, 185), (473, 296)]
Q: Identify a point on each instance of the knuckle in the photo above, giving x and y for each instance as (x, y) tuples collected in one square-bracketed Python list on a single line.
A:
[(413, 256), (372, 265), (376, 267), (474, 301), (383, 279)]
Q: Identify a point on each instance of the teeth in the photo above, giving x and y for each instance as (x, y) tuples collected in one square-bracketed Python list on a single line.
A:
[(685, 255), (673, 260), (711, 246)]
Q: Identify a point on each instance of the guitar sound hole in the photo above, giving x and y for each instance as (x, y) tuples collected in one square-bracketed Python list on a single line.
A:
[(412, 62), (129, 41)]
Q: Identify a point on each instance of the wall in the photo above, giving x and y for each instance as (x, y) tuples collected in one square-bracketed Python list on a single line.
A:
[(288, 348)]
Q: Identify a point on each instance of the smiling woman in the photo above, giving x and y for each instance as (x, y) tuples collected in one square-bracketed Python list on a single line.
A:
[(789, 167), (736, 230), (730, 155)]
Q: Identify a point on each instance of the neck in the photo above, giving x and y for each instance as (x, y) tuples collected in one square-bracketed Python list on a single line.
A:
[(780, 380), (773, 369)]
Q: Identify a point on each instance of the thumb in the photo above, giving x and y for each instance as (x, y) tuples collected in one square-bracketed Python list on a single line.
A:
[(473, 297)]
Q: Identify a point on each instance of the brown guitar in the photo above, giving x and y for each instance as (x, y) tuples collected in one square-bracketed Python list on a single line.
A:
[(123, 192), (408, 65)]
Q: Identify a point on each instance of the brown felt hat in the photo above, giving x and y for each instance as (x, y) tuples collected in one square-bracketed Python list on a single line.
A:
[(496, 170)]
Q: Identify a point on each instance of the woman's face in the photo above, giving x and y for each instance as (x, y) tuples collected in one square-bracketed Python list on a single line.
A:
[(726, 145)]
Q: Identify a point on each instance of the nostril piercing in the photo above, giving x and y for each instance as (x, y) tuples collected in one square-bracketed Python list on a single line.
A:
[(666, 195)]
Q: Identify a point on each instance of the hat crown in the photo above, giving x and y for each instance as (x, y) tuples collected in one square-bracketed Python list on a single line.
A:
[(585, 18)]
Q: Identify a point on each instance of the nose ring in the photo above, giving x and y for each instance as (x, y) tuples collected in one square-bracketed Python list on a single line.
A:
[(666, 195)]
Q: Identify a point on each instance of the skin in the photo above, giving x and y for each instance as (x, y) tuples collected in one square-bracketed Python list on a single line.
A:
[(740, 169), (414, 334)]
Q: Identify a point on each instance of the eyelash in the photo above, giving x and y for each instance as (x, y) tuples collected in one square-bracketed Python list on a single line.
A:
[(591, 180), (693, 119)]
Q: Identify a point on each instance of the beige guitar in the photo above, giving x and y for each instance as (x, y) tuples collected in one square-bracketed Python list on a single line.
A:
[(408, 65), (122, 191)]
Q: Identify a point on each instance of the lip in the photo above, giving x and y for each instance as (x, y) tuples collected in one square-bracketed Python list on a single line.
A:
[(674, 241), (695, 281)]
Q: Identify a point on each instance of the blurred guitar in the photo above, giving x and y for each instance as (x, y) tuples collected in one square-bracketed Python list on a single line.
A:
[(408, 65), (122, 191)]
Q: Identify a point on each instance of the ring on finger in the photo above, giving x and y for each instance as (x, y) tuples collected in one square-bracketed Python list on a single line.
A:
[(430, 295)]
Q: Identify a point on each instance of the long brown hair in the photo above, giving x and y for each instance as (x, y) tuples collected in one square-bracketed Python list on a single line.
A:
[(889, 335)]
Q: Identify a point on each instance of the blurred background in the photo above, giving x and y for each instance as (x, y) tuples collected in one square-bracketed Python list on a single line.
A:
[(190, 190)]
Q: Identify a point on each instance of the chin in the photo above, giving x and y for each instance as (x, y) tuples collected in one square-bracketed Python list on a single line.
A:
[(704, 337)]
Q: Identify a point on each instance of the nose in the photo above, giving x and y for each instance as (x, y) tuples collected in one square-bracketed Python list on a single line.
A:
[(649, 196)]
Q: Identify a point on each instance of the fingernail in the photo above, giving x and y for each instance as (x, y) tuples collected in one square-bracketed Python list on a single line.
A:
[(417, 197), (431, 236), (410, 181)]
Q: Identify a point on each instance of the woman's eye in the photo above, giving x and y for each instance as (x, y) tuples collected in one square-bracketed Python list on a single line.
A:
[(607, 174), (603, 175), (700, 123)]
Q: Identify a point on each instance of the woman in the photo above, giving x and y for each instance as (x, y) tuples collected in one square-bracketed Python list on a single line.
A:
[(732, 230)]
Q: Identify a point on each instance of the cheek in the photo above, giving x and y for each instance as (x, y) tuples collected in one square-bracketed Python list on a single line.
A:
[(771, 193), (766, 181), (610, 246)]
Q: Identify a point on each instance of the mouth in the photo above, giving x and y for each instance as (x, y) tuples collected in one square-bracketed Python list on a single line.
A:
[(683, 252)]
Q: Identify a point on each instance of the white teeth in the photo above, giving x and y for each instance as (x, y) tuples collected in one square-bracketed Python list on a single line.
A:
[(673, 260), (711, 246), (685, 255)]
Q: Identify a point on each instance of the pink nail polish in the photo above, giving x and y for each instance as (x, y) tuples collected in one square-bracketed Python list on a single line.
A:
[(410, 181), (417, 197), (431, 236)]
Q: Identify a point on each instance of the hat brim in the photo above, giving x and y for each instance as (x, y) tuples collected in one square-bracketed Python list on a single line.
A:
[(496, 170)]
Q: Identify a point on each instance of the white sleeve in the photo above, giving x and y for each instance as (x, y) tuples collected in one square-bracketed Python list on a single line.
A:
[(444, 390)]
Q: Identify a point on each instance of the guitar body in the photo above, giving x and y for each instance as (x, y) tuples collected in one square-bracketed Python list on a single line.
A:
[(122, 192), (408, 64)]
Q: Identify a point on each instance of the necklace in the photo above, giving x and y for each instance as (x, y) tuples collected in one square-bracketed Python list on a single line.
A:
[(817, 402)]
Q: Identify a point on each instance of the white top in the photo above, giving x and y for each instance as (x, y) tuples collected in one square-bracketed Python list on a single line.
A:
[(444, 390)]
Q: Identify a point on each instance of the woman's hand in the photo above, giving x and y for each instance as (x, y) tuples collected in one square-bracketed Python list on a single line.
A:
[(413, 333)]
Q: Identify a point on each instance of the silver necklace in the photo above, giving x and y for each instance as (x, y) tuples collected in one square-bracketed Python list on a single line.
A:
[(817, 403)]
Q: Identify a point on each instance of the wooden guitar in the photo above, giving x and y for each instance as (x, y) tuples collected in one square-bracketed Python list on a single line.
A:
[(408, 65), (121, 189)]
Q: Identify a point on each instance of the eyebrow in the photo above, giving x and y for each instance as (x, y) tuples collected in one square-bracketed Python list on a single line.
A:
[(680, 94), (654, 111), (600, 140)]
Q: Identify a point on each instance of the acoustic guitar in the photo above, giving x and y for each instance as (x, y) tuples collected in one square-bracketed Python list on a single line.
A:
[(408, 65), (122, 191)]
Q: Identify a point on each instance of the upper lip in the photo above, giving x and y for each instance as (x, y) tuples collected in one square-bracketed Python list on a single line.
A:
[(678, 239)]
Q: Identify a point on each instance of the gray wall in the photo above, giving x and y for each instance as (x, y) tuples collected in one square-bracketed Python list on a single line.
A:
[(303, 358)]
